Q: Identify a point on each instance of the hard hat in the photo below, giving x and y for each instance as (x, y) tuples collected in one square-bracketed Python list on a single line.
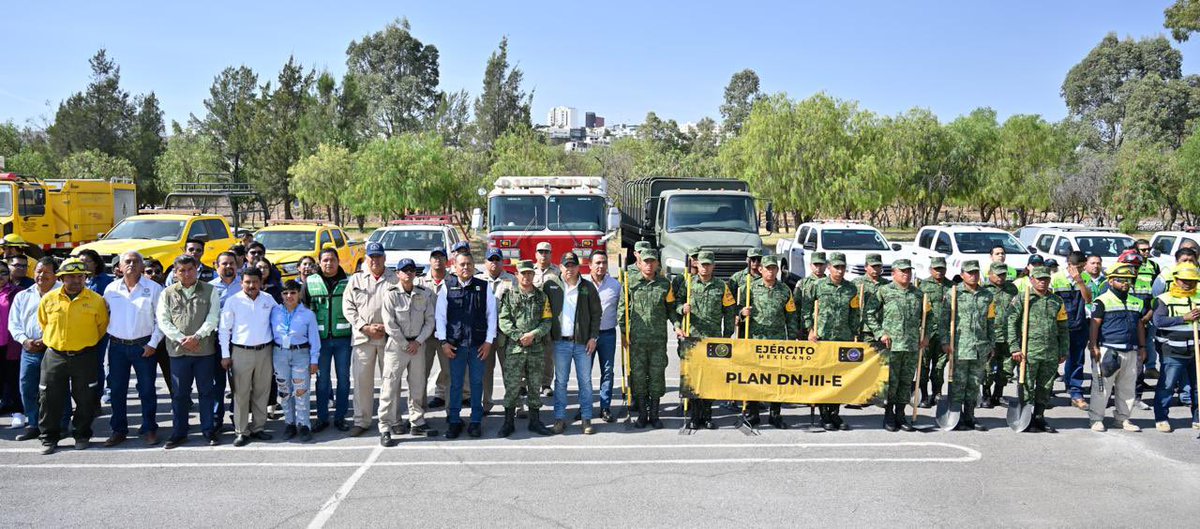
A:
[(1187, 272), (1130, 257)]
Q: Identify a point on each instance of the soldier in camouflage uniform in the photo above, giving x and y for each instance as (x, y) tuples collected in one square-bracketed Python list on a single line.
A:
[(1048, 342), (974, 337), (753, 264), (525, 319), (773, 315), (1000, 365), (834, 315), (713, 310), (648, 313), (632, 268), (804, 288), (935, 289), (901, 305), (868, 298)]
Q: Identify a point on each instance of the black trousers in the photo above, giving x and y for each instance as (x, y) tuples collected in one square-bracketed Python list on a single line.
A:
[(66, 376)]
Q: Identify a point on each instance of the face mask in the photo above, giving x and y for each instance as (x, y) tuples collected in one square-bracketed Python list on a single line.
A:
[(1178, 291)]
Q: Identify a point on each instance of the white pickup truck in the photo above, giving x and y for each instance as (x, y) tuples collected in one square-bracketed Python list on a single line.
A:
[(960, 242), (853, 239), (1164, 244)]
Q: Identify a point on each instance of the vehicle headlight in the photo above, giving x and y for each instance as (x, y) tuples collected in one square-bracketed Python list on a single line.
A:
[(290, 269), (510, 253), (673, 263)]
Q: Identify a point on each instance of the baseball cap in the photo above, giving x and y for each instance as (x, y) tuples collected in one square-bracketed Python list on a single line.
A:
[(494, 253), (938, 262), (770, 260), (1000, 269), (837, 259), (1051, 263), (437, 251), (641, 245), (874, 259), (570, 259), (754, 252), (1040, 272), (902, 264), (705, 257), (543, 246), (649, 254), (819, 258), (1036, 260), (970, 266), (375, 249), (461, 246), (406, 263), (693, 250), (525, 266)]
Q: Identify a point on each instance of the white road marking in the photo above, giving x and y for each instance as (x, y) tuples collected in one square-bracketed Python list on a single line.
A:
[(332, 503)]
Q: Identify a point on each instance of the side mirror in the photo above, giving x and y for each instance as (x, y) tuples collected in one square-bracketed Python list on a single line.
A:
[(771, 217), (476, 219), (614, 219), (647, 217), (1031, 249), (1155, 253), (895, 247)]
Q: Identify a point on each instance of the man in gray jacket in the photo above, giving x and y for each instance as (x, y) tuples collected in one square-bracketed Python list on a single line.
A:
[(575, 304)]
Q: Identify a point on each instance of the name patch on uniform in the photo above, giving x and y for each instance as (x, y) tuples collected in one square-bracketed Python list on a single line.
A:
[(799, 372)]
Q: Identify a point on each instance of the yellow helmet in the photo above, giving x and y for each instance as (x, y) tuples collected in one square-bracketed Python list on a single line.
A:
[(1187, 272), (73, 265), (1124, 270), (13, 239)]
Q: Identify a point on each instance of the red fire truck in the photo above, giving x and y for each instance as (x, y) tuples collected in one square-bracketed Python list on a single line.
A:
[(569, 212)]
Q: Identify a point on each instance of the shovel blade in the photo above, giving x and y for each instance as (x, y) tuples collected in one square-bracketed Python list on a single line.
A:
[(1019, 416), (948, 414), (744, 426)]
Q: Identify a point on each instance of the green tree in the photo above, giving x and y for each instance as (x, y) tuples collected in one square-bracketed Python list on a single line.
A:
[(1143, 171), (916, 152), (974, 139), (190, 154), (278, 135), (323, 178), (1187, 177), (452, 120), (95, 164), (98, 118), (229, 117), (1097, 89), (1029, 154), (1160, 110), (523, 152), (740, 95), (1183, 19), (10, 139), (502, 105), (408, 172), (398, 75), (146, 144)]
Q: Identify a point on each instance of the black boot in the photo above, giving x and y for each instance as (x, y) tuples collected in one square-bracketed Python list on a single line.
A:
[(969, 414), (508, 428), (1035, 424), (930, 401), (655, 422), (643, 415), (1040, 413), (775, 418), (902, 419), (535, 424), (997, 394), (752, 414), (836, 413), (985, 400), (707, 420), (695, 414), (889, 418), (827, 417)]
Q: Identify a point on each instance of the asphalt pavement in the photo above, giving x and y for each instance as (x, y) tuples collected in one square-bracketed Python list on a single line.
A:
[(622, 476)]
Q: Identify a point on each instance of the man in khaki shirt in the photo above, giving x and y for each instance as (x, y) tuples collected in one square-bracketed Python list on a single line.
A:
[(435, 281), (362, 305), (500, 281), (408, 318)]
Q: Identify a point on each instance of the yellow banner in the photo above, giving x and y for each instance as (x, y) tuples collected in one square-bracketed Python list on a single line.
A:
[(798, 372)]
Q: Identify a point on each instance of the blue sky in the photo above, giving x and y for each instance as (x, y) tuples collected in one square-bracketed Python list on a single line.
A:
[(619, 59)]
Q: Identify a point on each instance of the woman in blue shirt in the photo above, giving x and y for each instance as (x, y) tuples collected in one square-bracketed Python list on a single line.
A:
[(297, 348)]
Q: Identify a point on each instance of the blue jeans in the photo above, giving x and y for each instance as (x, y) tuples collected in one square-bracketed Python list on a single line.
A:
[(564, 353), (292, 379), (1175, 370), (606, 352), (120, 358), (1073, 368), (220, 382), (31, 376), (186, 370), (335, 353), (465, 358), (101, 353)]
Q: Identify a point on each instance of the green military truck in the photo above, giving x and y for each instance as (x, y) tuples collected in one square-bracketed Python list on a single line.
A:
[(674, 214)]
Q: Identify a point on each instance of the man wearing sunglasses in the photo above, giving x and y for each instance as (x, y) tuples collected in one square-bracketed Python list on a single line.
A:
[(195, 248)]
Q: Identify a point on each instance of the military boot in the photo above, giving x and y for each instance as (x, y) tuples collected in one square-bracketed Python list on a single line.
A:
[(1041, 415), (889, 418), (535, 424), (827, 417), (902, 419), (836, 413), (753, 414), (969, 414), (706, 416), (997, 394), (655, 422), (1036, 424), (508, 427), (775, 417), (985, 400), (643, 415), (930, 401)]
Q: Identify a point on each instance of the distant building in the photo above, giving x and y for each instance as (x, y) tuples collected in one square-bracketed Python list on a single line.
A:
[(589, 120), (578, 134), (599, 123), (563, 118)]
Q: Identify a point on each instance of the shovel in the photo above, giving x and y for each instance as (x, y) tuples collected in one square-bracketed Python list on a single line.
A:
[(626, 394), (1195, 353), (948, 411), (1020, 413), (743, 424), (920, 362), (686, 429)]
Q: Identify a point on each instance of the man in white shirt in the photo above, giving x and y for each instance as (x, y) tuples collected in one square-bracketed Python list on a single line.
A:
[(606, 345), (466, 323), (246, 338), (133, 337), (25, 329)]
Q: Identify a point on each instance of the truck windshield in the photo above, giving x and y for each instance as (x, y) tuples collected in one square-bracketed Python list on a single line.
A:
[(156, 230), (287, 240), (412, 240), (6, 200), (576, 213), (1104, 246), (517, 213), (983, 242), (711, 213), (853, 240)]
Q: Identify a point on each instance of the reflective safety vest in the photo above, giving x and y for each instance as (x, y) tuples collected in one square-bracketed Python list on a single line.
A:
[(331, 323), (1176, 340), (1143, 284), (1119, 328)]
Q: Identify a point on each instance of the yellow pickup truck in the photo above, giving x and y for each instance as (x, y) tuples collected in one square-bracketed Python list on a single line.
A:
[(288, 241), (161, 237)]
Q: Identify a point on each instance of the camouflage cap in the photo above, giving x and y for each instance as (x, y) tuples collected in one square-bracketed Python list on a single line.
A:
[(72, 266), (1040, 272), (693, 250), (837, 259), (649, 254), (640, 246), (1000, 269), (770, 260), (938, 262), (754, 252), (970, 266), (874, 259), (818, 258), (525, 266), (705, 257), (902, 264)]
